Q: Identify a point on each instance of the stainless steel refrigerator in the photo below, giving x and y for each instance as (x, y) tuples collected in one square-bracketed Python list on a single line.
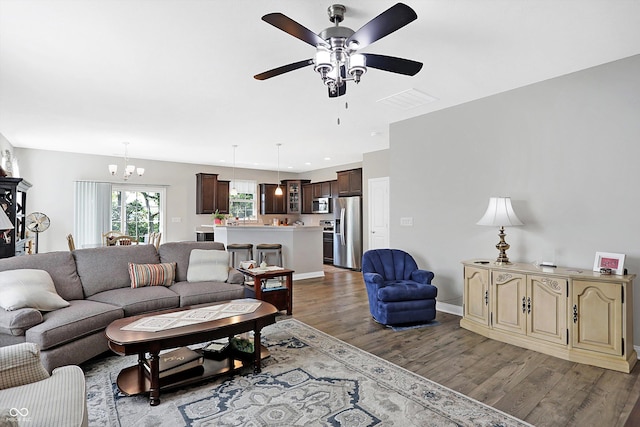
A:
[(347, 239)]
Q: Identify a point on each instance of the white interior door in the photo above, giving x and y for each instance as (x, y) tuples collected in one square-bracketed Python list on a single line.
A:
[(378, 213)]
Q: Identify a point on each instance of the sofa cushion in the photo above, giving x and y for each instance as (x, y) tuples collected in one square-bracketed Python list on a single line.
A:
[(60, 266), (161, 274), (106, 268), (20, 364), (17, 321), (179, 252), (29, 288), (81, 318), (203, 292), (141, 300), (208, 265)]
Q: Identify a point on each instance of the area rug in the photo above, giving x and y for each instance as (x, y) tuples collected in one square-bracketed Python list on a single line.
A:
[(310, 379)]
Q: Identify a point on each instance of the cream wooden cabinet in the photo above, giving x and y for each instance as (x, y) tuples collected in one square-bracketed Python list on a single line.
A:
[(573, 314)]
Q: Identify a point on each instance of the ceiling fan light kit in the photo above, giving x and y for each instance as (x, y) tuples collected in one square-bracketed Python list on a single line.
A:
[(337, 59)]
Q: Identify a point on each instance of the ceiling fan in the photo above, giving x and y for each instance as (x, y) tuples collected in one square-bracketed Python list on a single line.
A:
[(337, 59)]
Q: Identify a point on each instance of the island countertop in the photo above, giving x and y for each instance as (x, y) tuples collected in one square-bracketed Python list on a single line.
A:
[(301, 244)]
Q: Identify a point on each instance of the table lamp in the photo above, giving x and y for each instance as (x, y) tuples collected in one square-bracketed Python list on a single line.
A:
[(500, 214)]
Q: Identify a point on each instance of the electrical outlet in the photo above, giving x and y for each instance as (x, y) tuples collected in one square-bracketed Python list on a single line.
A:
[(406, 221)]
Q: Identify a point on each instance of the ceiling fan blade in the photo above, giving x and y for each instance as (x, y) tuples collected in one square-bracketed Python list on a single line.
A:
[(393, 64), (392, 19), (284, 69), (293, 28)]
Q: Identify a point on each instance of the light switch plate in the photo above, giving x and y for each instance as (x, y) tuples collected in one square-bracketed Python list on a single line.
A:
[(406, 221)]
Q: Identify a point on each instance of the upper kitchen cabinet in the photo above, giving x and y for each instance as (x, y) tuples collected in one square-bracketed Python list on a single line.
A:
[(269, 202), (322, 189), (211, 194), (293, 193), (350, 182), (307, 198)]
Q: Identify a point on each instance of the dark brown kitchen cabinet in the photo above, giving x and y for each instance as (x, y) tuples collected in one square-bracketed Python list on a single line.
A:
[(211, 194), (293, 194), (307, 198), (350, 182), (322, 189), (334, 188), (269, 202), (222, 197)]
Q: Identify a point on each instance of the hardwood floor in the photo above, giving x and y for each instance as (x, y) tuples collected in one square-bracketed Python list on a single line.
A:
[(539, 389)]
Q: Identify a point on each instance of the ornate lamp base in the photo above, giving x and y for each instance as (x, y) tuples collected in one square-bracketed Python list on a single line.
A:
[(502, 247)]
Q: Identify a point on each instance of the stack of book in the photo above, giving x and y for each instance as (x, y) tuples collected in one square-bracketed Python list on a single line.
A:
[(181, 362)]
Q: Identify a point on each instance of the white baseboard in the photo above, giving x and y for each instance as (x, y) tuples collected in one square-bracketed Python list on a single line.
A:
[(449, 308), (637, 349), (309, 275)]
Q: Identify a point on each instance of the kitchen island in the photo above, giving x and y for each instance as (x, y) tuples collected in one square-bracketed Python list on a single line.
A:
[(301, 245)]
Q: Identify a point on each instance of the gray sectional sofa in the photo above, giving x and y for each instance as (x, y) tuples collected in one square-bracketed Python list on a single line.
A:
[(97, 285)]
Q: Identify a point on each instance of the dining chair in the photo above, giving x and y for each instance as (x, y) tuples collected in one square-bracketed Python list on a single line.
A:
[(109, 237), (124, 240)]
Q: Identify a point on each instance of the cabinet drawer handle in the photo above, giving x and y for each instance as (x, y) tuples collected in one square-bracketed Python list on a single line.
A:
[(528, 305), (524, 305), (486, 297), (575, 313)]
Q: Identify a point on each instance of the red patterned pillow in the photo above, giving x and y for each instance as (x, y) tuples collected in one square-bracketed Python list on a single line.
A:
[(152, 274)]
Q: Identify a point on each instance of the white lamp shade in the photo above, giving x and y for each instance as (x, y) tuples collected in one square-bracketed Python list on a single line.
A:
[(140, 171), (233, 191), (129, 169), (5, 222), (500, 213), (278, 191), (113, 169)]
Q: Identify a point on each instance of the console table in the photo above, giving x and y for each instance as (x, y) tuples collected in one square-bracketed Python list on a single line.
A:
[(570, 313)]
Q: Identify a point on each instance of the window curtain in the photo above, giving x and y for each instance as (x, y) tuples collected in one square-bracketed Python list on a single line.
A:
[(92, 213)]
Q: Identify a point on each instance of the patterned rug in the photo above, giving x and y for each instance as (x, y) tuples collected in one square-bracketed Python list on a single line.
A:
[(311, 379)]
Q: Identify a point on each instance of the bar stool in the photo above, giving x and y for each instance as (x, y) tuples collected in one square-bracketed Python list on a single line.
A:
[(263, 250), (245, 250)]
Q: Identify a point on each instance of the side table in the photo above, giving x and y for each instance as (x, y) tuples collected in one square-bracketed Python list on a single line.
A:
[(280, 297)]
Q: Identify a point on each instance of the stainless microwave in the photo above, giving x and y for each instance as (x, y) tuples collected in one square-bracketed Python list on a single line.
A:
[(321, 205)]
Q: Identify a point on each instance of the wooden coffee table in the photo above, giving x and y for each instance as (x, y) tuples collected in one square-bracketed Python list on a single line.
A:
[(134, 380)]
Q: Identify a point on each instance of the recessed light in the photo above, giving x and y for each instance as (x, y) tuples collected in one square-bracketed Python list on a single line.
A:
[(327, 158), (307, 163)]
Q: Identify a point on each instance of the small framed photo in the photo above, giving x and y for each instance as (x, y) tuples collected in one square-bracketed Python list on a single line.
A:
[(610, 261)]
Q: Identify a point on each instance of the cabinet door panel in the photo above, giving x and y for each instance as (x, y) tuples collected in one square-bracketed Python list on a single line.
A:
[(597, 316), (548, 317), (476, 295), (509, 296)]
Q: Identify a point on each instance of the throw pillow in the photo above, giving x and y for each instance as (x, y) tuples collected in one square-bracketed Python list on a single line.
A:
[(208, 266), (152, 274), (29, 288)]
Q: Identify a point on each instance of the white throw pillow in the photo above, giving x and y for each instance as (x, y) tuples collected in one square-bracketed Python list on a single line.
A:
[(29, 288), (208, 265)]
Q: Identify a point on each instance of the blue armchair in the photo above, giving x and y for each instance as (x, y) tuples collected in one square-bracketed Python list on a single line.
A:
[(398, 291)]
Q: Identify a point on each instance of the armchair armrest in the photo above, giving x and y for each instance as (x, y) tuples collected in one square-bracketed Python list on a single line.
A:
[(374, 279), (422, 276), (20, 364)]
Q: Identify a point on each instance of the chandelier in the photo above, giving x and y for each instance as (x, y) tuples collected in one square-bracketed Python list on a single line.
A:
[(128, 169)]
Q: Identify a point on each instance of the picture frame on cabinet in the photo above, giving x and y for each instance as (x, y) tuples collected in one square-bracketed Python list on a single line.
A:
[(608, 260)]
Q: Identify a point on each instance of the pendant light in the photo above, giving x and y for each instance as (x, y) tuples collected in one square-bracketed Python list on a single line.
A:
[(234, 190), (278, 189)]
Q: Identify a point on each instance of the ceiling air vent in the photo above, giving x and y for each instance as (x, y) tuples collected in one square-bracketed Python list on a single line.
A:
[(407, 99)]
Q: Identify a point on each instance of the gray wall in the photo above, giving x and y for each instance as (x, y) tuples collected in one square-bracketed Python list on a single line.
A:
[(565, 150)]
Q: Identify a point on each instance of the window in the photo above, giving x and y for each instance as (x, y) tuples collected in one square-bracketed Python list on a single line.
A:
[(137, 211), (243, 205)]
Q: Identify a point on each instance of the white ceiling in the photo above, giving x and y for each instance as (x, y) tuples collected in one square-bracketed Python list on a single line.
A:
[(175, 77)]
